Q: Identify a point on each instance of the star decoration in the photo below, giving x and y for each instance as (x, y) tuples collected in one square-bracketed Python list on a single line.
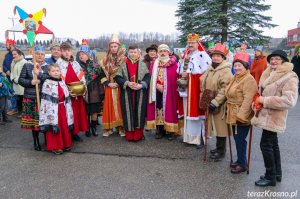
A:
[(31, 24)]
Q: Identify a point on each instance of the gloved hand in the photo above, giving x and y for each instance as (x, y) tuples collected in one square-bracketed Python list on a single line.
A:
[(212, 107)]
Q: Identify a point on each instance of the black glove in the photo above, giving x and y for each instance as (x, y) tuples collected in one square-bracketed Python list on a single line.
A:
[(212, 107)]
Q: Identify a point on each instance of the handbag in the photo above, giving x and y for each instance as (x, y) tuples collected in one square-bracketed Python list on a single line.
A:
[(206, 98)]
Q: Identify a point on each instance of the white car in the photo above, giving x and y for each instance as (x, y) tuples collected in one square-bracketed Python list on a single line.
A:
[(29, 57)]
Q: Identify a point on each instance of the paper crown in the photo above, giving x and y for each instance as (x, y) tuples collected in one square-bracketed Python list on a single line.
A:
[(242, 56), (211, 44), (114, 39), (163, 47), (220, 49), (84, 42), (244, 46), (260, 48), (85, 49), (193, 37), (38, 48), (10, 42)]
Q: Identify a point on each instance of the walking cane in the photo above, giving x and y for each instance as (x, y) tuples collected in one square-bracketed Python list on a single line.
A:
[(249, 150), (206, 134), (229, 139)]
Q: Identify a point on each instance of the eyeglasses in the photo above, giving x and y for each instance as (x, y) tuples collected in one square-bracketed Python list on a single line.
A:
[(275, 59)]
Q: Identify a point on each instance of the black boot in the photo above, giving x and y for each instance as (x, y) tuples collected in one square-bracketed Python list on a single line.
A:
[(36, 141), (88, 133), (265, 182), (221, 149), (94, 128), (77, 138), (159, 132)]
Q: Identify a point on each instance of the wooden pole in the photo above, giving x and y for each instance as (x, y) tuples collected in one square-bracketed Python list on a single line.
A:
[(206, 134), (36, 78), (229, 139), (249, 150)]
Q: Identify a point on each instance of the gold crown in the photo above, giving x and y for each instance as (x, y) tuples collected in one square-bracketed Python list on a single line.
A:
[(193, 37)]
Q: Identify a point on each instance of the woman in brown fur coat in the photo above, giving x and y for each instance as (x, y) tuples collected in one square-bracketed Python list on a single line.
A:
[(278, 87)]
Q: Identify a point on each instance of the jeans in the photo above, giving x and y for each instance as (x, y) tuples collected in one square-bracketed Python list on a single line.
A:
[(241, 143), (13, 101)]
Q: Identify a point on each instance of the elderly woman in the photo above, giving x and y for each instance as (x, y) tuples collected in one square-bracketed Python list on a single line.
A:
[(214, 80), (16, 68), (93, 96), (239, 94), (278, 90), (30, 114)]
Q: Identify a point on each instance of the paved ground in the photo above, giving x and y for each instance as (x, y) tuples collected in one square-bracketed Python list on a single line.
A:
[(114, 168)]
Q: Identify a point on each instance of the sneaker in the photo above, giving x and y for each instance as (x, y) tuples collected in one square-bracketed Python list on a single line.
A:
[(106, 133), (122, 133), (12, 112)]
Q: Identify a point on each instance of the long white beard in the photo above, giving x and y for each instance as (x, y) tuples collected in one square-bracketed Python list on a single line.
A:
[(163, 59)]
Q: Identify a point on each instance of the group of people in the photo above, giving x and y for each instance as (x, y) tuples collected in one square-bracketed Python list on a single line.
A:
[(203, 94)]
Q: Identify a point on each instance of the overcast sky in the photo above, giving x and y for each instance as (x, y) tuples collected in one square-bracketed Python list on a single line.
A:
[(90, 18)]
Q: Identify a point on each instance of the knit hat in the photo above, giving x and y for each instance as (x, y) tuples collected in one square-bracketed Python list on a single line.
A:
[(280, 53), (152, 47)]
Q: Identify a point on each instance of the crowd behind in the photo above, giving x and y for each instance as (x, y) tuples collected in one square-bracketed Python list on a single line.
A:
[(201, 94)]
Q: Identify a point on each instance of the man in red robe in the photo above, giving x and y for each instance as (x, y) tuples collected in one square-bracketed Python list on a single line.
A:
[(71, 72)]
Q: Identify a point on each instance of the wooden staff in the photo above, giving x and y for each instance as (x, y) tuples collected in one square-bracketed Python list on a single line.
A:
[(206, 134), (36, 78), (229, 139), (249, 150)]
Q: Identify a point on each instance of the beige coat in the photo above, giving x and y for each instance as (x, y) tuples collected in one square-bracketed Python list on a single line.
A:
[(239, 94), (16, 68), (280, 91), (217, 79)]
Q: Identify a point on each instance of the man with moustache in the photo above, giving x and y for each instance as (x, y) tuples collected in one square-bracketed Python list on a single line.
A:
[(196, 62), (55, 53)]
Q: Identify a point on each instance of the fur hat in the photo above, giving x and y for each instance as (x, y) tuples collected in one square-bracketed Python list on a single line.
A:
[(65, 45), (163, 47), (152, 47), (54, 44), (279, 53)]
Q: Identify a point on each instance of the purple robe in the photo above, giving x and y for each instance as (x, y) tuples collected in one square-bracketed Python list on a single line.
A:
[(170, 96)]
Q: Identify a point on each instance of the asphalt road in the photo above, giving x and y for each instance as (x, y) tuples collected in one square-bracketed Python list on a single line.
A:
[(114, 168)]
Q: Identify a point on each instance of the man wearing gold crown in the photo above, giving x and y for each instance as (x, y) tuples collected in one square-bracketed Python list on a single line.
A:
[(71, 73), (112, 115), (194, 63)]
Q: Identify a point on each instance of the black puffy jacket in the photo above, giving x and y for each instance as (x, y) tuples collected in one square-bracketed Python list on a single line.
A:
[(26, 77)]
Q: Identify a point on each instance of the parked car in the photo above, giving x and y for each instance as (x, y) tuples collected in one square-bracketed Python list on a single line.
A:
[(29, 57)]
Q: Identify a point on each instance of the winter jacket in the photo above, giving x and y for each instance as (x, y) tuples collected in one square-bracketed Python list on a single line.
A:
[(16, 68), (217, 79), (26, 77), (239, 94), (280, 91)]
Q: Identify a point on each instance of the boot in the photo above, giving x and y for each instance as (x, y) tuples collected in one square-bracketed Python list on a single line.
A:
[(36, 141), (221, 149), (88, 133), (94, 128), (77, 138), (159, 132), (265, 182)]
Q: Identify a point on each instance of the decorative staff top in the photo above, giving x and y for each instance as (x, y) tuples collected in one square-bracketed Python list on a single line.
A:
[(31, 24)]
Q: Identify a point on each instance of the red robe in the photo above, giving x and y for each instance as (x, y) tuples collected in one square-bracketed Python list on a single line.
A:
[(138, 133), (78, 105), (258, 66), (62, 139)]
